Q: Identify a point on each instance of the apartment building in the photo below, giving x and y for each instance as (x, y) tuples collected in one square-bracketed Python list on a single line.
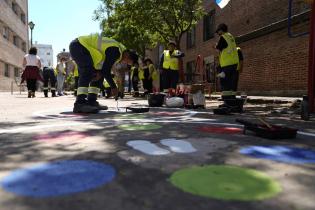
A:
[(13, 40)]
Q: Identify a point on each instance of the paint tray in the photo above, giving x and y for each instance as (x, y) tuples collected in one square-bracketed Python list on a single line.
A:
[(275, 132)]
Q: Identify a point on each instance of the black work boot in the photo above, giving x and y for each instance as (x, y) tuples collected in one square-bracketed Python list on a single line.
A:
[(53, 93), (84, 108), (46, 93), (29, 94), (98, 105)]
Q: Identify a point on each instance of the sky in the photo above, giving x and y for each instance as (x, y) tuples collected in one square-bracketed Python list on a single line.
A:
[(58, 22)]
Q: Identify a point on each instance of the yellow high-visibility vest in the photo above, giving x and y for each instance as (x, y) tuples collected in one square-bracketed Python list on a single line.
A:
[(229, 56), (170, 62), (141, 73), (154, 73), (106, 84), (97, 45)]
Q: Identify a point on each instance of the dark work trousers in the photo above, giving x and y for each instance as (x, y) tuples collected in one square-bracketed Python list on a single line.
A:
[(228, 83), (31, 84), (49, 77), (170, 78), (135, 83), (86, 70), (236, 80), (147, 83), (76, 83)]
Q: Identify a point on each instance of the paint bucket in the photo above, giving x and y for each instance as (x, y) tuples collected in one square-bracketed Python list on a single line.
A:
[(156, 100)]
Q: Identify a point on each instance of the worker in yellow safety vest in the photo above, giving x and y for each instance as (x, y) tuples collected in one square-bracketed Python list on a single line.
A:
[(228, 59), (169, 65), (95, 55)]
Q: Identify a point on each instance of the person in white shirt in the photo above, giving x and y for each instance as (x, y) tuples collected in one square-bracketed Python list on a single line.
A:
[(31, 73)]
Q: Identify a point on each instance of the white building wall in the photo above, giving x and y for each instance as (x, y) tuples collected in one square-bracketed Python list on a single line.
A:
[(45, 52)]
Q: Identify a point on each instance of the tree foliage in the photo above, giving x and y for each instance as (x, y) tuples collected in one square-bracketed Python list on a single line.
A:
[(141, 24)]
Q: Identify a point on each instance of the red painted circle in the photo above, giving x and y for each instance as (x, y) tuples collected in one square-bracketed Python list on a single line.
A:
[(221, 130)]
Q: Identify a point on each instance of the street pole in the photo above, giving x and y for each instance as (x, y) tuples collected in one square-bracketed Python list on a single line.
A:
[(31, 25), (311, 72)]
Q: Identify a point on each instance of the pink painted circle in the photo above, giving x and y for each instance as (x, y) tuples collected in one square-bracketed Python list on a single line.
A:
[(61, 136)]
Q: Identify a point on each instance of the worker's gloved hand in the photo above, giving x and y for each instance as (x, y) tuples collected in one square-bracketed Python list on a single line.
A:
[(115, 93)]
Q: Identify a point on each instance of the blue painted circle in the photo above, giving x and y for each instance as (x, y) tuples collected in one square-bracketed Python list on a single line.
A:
[(58, 178), (285, 154)]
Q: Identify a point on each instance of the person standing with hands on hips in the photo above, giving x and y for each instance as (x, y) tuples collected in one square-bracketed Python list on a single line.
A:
[(170, 67), (228, 59), (95, 55)]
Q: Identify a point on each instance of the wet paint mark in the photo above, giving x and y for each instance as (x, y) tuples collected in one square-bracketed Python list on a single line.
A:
[(293, 155), (58, 178)]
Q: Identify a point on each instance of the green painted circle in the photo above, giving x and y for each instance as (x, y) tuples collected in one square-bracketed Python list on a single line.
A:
[(129, 116), (226, 183), (140, 127)]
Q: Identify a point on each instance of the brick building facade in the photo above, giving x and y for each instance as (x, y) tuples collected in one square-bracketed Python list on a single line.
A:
[(274, 63), (13, 41)]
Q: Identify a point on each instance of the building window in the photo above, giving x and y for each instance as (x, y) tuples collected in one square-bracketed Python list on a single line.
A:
[(5, 32), (6, 70), (191, 37), (23, 19), (209, 25), (16, 72), (14, 7), (190, 69), (16, 41), (48, 53), (24, 47)]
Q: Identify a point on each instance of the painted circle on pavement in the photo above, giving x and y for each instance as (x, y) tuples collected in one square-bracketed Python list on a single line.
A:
[(61, 136), (226, 183), (140, 127), (129, 116), (221, 130), (167, 114), (58, 178), (284, 154)]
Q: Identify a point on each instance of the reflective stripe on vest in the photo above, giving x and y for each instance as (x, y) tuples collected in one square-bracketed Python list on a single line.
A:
[(229, 55), (82, 91), (169, 61), (228, 93), (97, 45), (94, 90)]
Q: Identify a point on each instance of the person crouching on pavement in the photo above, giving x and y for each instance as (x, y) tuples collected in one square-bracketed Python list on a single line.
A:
[(49, 77), (95, 55)]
